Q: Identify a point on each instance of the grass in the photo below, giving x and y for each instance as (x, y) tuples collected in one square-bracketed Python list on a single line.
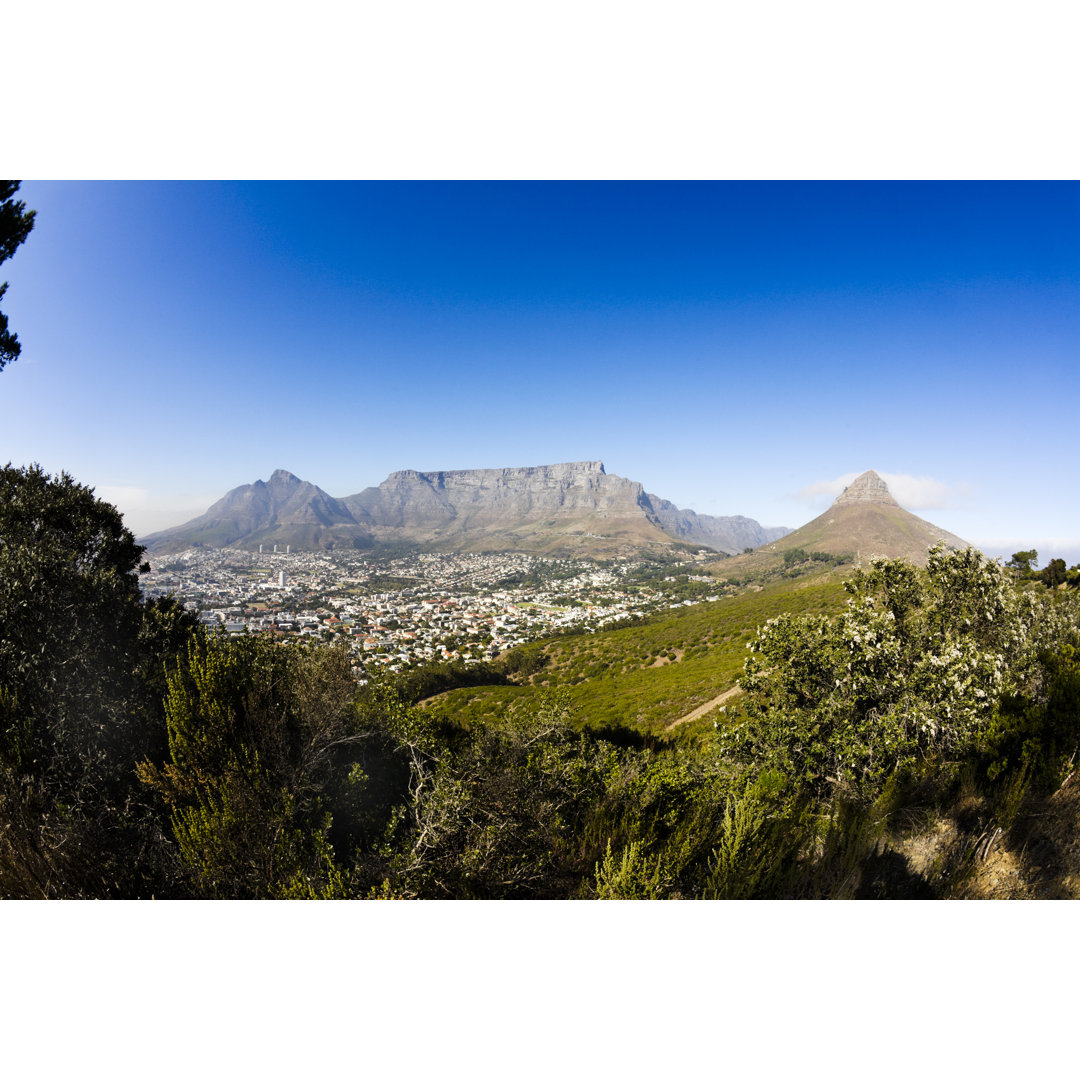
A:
[(645, 676)]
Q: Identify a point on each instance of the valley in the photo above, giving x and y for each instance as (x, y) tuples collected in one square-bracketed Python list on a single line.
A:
[(558, 622), (645, 678)]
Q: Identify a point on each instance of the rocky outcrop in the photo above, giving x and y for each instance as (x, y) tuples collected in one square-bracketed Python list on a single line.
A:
[(866, 521), (866, 488), (571, 507), (482, 496)]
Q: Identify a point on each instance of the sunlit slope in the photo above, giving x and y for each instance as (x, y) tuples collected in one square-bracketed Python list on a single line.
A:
[(868, 530), (645, 677), (864, 521)]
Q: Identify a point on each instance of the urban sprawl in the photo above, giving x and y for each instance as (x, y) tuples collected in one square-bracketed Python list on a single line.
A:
[(395, 613)]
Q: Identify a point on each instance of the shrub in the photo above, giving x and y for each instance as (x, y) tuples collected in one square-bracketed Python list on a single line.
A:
[(916, 664)]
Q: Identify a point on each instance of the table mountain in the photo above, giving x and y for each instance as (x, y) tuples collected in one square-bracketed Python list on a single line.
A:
[(575, 508)]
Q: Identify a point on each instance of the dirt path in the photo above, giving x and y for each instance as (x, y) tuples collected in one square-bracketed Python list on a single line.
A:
[(701, 710)]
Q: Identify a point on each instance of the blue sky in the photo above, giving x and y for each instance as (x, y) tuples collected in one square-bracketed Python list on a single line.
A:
[(739, 348)]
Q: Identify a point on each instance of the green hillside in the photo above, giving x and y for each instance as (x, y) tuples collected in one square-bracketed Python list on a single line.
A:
[(645, 677)]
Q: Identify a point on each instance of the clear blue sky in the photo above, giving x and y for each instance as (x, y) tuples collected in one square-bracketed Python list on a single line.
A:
[(737, 347)]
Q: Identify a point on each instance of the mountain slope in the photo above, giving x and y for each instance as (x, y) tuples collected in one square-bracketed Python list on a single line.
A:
[(284, 510), (646, 676), (864, 521), (548, 508), (727, 534)]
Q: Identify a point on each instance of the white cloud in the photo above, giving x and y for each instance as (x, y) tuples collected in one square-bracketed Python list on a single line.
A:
[(145, 513), (911, 492), (824, 488), (924, 492)]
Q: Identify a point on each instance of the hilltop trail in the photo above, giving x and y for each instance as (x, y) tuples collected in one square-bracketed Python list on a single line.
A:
[(701, 710)]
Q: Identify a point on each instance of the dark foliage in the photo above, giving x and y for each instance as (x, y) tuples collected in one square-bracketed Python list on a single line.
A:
[(79, 660), (15, 225)]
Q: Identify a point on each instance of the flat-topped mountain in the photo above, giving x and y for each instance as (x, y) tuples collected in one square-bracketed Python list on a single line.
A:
[(576, 508), (866, 520)]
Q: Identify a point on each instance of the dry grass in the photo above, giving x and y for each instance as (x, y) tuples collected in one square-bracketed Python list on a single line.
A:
[(1038, 858)]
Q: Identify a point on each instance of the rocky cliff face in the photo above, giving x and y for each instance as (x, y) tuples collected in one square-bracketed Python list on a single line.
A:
[(866, 488), (572, 508), (410, 498)]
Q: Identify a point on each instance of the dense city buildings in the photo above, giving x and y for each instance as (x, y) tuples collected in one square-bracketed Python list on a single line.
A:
[(398, 612)]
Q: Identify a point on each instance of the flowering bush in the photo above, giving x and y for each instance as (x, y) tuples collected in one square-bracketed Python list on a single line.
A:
[(916, 663)]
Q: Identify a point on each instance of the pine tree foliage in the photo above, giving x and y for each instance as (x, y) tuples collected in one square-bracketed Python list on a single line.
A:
[(15, 225)]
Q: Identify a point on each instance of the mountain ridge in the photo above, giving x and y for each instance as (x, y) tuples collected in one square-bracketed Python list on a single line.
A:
[(565, 508)]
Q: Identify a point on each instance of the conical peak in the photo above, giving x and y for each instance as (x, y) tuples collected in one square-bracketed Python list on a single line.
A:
[(283, 476), (867, 488)]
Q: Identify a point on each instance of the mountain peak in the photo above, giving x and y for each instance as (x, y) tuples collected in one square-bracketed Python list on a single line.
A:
[(866, 522), (283, 476), (867, 488)]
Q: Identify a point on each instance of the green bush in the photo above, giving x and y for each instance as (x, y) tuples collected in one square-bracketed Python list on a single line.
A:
[(916, 664), (256, 733)]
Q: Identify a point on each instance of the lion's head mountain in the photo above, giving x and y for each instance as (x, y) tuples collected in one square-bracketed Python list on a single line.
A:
[(865, 520), (571, 509)]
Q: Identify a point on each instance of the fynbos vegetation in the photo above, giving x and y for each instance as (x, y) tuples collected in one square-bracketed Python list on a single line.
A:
[(140, 756)]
